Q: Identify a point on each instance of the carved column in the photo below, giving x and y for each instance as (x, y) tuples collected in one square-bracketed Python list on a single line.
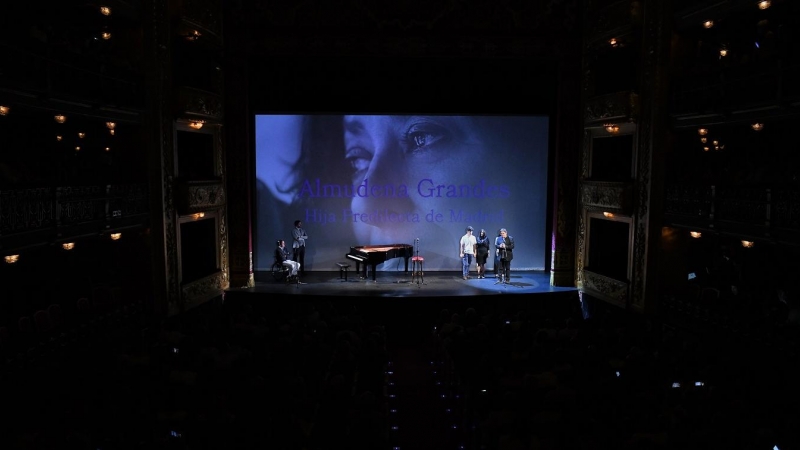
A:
[(238, 125), (159, 125), (568, 140), (650, 150)]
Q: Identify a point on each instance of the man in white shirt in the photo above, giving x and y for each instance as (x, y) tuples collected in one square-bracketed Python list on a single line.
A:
[(467, 249)]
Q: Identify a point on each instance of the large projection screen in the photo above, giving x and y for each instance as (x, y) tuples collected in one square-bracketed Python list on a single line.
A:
[(376, 179)]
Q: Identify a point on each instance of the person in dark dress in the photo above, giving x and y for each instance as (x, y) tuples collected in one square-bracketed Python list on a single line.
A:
[(482, 253)]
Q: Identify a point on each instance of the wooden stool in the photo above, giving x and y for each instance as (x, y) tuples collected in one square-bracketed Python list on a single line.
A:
[(416, 269), (343, 269)]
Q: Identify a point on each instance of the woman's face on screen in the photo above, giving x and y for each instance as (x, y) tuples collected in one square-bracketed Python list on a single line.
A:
[(425, 155)]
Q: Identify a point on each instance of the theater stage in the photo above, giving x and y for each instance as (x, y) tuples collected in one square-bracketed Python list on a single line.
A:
[(405, 308), (399, 284)]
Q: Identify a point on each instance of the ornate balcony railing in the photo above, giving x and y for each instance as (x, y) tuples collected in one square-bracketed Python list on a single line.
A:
[(771, 212), (39, 215)]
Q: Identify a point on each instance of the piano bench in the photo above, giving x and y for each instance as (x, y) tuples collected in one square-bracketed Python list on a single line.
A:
[(343, 269)]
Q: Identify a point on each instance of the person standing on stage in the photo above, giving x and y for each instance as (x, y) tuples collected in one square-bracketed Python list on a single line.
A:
[(506, 254), (299, 245), (497, 265), (482, 253), (282, 256), (466, 250)]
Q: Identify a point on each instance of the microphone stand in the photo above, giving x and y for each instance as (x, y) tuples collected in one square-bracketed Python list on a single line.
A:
[(417, 265), (503, 279)]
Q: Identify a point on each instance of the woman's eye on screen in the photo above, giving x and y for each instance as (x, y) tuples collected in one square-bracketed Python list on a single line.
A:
[(426, 137), (359, 160)]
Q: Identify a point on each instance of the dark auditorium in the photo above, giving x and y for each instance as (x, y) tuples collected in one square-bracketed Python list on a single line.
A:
[(400, 225)]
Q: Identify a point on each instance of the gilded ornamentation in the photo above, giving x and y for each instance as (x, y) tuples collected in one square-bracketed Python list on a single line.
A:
[(615, 290), (205, 196), (606, 195), (586, 154), (196, 292), (580, 252), (620, 106), (196, 103)]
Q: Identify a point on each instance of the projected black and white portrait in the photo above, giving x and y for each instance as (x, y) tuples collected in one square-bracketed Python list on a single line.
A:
[(392, 179)]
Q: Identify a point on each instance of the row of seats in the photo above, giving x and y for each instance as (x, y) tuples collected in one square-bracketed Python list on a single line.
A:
[(545, 381)]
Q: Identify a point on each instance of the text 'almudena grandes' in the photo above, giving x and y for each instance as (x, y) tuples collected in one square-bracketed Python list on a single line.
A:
[(425, 188)]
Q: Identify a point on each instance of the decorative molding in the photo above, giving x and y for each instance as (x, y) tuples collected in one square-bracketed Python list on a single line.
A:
[(200, 196), (194, 103), (616, 107), (586, 154), (580, 251), (615, 291), (125, 200), (26, 210), (653, 67), (80, 204), (162, 108), (607, 196), (224, 240), (204, 289)]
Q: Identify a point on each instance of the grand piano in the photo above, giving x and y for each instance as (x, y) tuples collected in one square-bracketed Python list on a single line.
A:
[(373, 255)]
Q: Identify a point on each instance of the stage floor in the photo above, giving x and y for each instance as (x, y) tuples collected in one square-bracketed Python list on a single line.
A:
[(399, 284)]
